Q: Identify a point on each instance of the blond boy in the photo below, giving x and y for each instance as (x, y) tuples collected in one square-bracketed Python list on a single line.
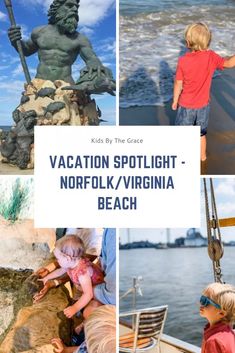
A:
[(193, 79), (100, 333), (217, 305)]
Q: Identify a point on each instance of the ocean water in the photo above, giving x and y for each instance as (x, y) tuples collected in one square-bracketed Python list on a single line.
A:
[(5, 127), (174, 277), (151, 41)]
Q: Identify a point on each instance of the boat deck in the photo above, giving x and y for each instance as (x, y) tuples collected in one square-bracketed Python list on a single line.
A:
[(168, 344)]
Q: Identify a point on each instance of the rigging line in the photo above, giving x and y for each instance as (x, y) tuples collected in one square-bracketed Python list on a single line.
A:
[(215, 210), (215, 250), (207, 211)]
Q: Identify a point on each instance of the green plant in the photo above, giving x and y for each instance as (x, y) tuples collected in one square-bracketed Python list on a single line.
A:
[(12, 205)]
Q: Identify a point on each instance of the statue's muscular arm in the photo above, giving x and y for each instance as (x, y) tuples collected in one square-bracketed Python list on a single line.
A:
[(87, 53), (30, 46)]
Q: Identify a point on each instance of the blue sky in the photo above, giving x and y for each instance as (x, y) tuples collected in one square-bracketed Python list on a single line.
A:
[(97, 22), (225, 201)]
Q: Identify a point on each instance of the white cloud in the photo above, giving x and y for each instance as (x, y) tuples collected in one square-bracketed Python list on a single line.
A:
[(226, 187), (24, 31), (17, 71), (108, 45), (14, 87), (3, 16), (4, 67), (8, 59), (226, 209), (91, 12), (76, 69), (87, 31)]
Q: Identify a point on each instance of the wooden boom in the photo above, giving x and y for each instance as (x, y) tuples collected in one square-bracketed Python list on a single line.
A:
[(224, 222)]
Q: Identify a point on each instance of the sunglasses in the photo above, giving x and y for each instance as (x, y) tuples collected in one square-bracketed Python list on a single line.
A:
[(205, 301)]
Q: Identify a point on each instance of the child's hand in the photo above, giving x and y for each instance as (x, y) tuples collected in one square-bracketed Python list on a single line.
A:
[(174, 106), (42, 272), (38, 296), (59, 345), (70, 311), (44, 280)]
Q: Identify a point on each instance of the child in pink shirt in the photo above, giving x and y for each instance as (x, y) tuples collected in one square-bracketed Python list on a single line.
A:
[(217, 305), (69, 252), (193, 80)]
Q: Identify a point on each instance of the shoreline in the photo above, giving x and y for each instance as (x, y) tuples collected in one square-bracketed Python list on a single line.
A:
[(221, 129)]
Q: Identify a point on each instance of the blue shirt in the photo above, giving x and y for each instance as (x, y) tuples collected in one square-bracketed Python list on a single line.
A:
[(106, 292)]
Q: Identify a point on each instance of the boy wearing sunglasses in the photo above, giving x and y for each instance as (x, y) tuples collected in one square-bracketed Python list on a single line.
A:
[(217, 305)]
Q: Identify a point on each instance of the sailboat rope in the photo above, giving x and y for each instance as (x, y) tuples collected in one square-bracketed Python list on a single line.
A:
[(215, 247)]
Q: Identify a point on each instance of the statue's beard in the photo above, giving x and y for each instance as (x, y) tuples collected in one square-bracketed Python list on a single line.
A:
[(68, 24)]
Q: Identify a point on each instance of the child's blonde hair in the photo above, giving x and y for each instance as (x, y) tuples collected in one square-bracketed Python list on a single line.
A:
[(71, 246), (100, 330), (224, 295), (198, 36)]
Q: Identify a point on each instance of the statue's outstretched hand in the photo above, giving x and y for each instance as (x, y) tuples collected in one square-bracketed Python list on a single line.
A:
[(98, 70), (95, 79), (14, 34)]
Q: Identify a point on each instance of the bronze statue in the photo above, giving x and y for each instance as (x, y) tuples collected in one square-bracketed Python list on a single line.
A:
[(54, 97), (58, 45)]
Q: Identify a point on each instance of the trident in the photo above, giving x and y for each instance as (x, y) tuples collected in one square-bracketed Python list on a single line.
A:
[(18, 43)]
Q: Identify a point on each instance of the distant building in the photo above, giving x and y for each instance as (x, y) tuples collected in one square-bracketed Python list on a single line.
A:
[(231, 243), (179, 241), (194, 239)]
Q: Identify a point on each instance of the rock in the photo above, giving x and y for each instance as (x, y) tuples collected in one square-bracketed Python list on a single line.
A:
[(7, 310), (37, 324), (46, 92), (11, 296), (91, 113), (45, 103), (24, 99), (33, 284), (47, 348), (23, 246), (54, 107)]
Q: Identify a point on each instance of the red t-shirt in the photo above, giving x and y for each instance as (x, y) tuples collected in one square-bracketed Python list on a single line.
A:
[(196, 69), (219, 338)]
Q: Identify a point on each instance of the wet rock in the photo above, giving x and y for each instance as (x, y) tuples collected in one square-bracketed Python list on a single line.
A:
[(17, 115), (24, 99), (33, 284), (54, 107), (37, 324), (47, 348), (46, 92), (12, 296), (6, 311)]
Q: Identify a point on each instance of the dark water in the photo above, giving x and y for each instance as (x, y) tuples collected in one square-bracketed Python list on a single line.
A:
[(174, 277)]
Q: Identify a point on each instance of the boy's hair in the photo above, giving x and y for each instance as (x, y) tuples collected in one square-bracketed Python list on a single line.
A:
[(100, 330), (71, 246), (224, 295), (198, 36)]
